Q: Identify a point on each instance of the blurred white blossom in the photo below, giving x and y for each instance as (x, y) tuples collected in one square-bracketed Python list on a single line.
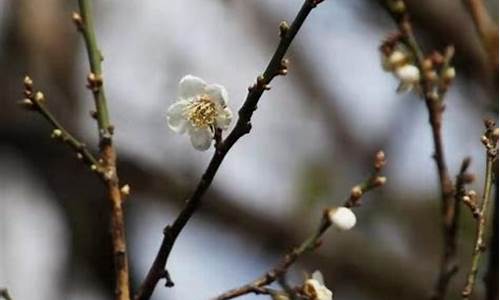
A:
[(409, 75), (342, 217), (399, 62), (201, 108), (315, 289)]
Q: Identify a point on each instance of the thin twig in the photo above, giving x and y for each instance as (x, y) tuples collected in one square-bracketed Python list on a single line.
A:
[(449, 266), (313, 241), (85, 24), (277, 66), (434, 98), (4, 293), (491, 276), (36, 101), (490, 141)]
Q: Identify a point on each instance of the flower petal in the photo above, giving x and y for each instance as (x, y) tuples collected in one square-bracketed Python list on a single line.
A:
[(175, 116), (218, 94), (324, 294), (201, 138), (223, 119), (191, 86), (318, 277)]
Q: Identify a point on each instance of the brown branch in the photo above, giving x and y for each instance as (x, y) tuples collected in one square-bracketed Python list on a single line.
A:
[(433, 92), (490, 140), (84, 23), (314, 241), (277, 66)]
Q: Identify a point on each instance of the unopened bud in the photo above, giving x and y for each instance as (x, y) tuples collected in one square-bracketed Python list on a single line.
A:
[(427, 64), (39, 97), (342, 217), (397, 6), (379, 160), (484, 140), (28, 82), (356, 192), (431, 75), (408, 74), (284, 28), (27, 104), (397, 58), (449, 74), (56, 133), (77, 19), (125, 190), (380, 180)]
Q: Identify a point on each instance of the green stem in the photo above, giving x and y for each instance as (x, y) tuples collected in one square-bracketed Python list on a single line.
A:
[(479, 246), (66, 137), (95, 59)]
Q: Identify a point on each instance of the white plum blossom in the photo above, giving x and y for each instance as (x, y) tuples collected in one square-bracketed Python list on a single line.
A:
[(342, 218), (400, 63), (201, 108), (315, 289), (409, 75)]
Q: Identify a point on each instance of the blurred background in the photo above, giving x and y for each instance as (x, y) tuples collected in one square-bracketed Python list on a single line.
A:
[(313, 138)]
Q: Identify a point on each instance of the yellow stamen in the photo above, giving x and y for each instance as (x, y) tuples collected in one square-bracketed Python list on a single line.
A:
[(201, 112)]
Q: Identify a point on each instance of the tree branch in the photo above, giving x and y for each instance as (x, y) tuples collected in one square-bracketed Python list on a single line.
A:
[(490, 140), (433, 93), (277, 66), (85, 24), (36, 101), (313, 241)]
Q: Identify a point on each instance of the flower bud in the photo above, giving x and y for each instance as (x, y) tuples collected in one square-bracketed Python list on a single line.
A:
[(380, 180), (342, 217), (125, 190), (408, 74), (39, 97), (396, 58), (449, 74), (56, 133)]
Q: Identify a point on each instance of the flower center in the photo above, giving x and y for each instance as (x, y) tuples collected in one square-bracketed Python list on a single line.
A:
[(201, 112)]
